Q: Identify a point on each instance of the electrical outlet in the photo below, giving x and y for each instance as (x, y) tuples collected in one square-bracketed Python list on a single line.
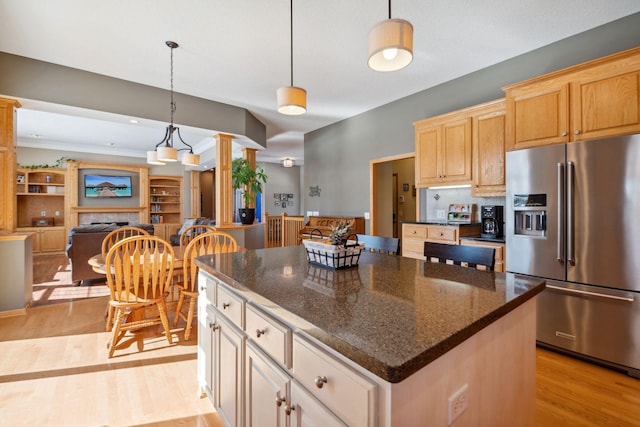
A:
[(367, 216), (57, 213), (458, 403), (441, 214)]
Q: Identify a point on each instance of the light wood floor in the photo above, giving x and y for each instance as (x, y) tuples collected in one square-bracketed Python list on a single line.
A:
[(54, 371)]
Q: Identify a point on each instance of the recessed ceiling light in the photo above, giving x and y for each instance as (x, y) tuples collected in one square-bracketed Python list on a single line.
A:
[(134, 121), (111, 144)]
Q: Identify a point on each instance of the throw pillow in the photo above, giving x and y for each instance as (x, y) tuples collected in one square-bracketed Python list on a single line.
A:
[(187, 223)]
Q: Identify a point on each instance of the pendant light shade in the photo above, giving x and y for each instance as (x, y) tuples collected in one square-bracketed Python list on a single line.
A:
[(152, 158), (292, 100), (167, 154), (190, 159), (390, 44)]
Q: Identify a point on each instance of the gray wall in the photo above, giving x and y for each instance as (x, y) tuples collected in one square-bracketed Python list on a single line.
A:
[(282, 180), (337, 157)]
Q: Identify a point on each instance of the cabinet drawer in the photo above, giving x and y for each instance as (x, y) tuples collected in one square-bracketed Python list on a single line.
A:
[(207, 288), (271, 336), (415, 246), (414, 231), (445, 234), (231, 305), (344, 391)]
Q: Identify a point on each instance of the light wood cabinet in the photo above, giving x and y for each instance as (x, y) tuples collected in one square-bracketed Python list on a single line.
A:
[(41, 194), (488, 138), (443, 150), (164, 231), (596, 99), (499, 254), (414, 236)]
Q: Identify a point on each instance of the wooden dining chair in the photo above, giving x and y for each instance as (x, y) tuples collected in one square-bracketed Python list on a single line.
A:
[(213, 242), (189, 233), (139, 270), (466, 256), (109, 240), (387, 245)]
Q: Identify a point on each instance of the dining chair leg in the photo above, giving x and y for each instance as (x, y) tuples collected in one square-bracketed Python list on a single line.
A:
[(192, 309), (116, 331), (178, 309), (109, 325), (162, 309)]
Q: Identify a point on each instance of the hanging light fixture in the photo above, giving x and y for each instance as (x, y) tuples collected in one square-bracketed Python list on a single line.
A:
[(288, 162), (291, 100), (390, 44), (167, 152)]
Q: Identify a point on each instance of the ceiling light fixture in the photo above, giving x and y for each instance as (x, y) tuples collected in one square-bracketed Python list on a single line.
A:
[(167, 152), (291, 100), (390, 44), (288, 163)]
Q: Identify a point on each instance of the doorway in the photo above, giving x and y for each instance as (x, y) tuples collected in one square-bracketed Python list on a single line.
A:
[(393, 197)]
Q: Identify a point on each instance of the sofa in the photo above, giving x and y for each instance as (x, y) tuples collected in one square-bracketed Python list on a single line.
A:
[(175, 238), (325, 223), (85, 241)]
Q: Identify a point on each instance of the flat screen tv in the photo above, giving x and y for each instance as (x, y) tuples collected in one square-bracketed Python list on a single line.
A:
[(105, 186)]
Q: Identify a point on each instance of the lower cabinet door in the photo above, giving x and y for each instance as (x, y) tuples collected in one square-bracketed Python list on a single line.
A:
[(230, 343), (307, 411), (206, 350), (267, 390)]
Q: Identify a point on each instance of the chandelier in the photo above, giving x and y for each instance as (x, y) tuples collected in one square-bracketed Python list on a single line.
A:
[(165, 150)]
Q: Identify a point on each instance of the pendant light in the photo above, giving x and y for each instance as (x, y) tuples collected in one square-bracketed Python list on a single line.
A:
[(167, 152), (291, 100), (391, 44)]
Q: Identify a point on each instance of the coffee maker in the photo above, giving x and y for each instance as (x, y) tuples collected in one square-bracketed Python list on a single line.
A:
[(492, 219)]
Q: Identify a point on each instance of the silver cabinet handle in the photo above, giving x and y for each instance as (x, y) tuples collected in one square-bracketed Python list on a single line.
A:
[(594, 294), (213, 326), (320, 381), (225, 305), (260, 332), (288, 409), (279, 401)]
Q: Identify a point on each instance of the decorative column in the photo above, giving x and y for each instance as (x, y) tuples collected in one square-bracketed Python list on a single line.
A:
[(250, 155), (224, 188), (8, 158)]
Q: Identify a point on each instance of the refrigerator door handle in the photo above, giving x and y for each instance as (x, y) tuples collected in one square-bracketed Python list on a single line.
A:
[(571, 256), (561, 199), (594, 294)]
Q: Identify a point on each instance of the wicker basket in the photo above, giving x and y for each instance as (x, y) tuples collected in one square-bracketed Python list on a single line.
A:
[(319, 252)]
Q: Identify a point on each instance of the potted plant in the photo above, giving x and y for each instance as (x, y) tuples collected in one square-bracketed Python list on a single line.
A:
[(244, 177)]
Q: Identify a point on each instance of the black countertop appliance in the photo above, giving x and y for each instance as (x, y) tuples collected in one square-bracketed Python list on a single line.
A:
[(492, 219)]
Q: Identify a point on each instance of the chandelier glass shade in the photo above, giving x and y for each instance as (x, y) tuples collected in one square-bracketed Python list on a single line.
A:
[(165, 151), (390, 44), (291, 100)]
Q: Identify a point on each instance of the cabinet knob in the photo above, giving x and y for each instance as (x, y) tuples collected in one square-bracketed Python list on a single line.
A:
[(288, 409), (279, 401), (213, 326), (320, 381), (203, 288), (260, 332), (225, 305), (577, 132), (441, 234), (564, 134)]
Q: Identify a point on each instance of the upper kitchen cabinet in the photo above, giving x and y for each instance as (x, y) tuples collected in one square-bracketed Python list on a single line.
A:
[(596, 99), (443, 150), (488, 138)]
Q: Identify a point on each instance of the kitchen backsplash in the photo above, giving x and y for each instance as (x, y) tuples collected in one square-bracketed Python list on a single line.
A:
[(434, 200)]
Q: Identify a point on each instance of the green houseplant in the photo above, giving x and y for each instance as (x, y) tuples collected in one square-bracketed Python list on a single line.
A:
[(243, 176)]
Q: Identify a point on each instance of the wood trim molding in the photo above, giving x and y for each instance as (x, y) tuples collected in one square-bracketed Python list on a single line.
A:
[(224, 189), (8, 165)]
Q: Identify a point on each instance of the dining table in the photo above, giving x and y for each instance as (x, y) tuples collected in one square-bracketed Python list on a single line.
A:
[(97, 262)]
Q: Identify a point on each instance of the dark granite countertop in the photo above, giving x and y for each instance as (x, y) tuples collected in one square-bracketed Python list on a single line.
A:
[(483, 239), (391, 315), (436, 222)]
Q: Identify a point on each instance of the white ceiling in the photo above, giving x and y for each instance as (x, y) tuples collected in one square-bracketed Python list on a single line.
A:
[(237, 52)]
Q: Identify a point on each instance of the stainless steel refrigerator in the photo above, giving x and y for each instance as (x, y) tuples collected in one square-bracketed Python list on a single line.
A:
[(573, 217)]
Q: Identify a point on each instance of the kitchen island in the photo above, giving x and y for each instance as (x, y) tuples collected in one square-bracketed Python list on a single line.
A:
[(386, 343)]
